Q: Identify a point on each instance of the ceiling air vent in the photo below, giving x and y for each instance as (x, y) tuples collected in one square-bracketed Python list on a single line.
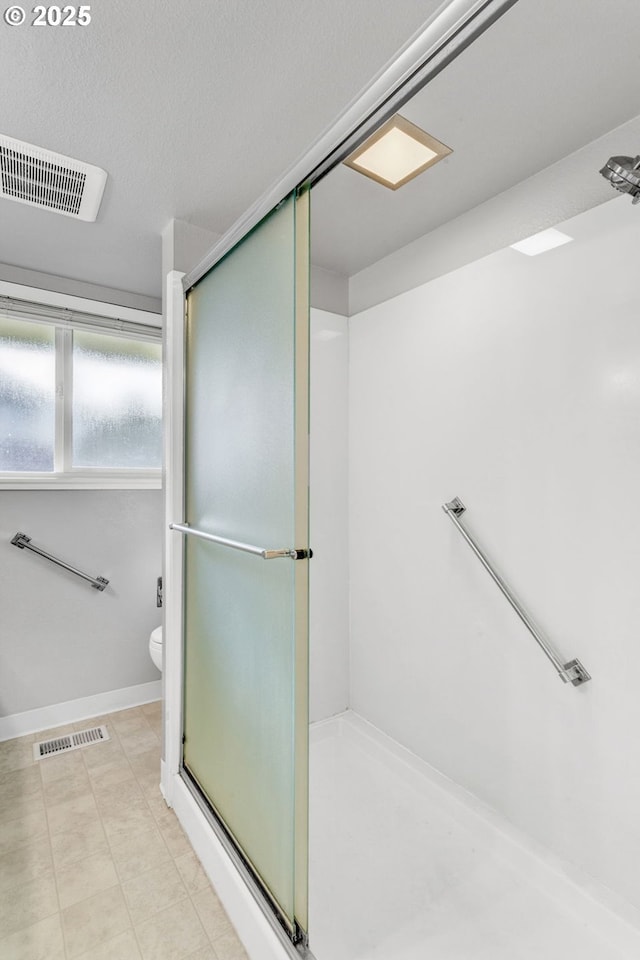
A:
[(49, 180)]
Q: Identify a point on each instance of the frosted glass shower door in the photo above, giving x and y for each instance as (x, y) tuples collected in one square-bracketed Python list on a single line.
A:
[(246, 481)]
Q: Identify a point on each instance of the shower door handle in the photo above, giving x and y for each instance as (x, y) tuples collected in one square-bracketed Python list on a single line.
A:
[(263, 552)]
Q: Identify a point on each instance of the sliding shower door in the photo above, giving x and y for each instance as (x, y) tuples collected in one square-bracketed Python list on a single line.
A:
[(246, 550)]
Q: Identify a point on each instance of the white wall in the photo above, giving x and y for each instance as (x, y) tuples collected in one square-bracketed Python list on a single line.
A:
[(61, 639), (329, 568), (513, 383)]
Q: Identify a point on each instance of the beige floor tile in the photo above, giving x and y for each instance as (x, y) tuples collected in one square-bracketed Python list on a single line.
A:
[(16, 755), (207, 953), (85, 841), (102, 753), (153, 709), (173, 835), (40, 941), (93, 922), (190, 869), (149, 783), (122, 947), (27, 738), (24, 863), (138, 852), (62, 767), (110, 796), (72, 814), (29, 829), (156, 725), (21, 906), (98, 721), (109, 826), (141, 741), (21, 807), (153, 891), (114, 771), (67, 788), (121, 820), (212, 914), (19, 785), (157, 805), (83, 879), (229, 948), (127, 722), (174, 934), (123, 716), (148, 761)]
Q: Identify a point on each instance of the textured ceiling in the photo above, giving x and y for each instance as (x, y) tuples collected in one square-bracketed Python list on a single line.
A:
[(546, 79), (194, 108)]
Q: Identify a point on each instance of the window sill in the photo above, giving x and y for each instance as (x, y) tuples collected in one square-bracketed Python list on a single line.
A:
[(100, 480)]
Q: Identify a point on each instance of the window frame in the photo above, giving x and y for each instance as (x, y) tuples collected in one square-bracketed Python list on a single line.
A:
[(64, 475)]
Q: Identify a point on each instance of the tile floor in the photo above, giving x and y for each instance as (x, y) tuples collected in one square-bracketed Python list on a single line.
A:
[(93, 864)]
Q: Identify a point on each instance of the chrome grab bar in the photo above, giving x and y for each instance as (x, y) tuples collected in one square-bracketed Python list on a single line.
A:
[(571, 672), (22, 541), (245, 547)]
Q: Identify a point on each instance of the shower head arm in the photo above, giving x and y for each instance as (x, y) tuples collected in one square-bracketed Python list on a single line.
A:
[(623, 173)]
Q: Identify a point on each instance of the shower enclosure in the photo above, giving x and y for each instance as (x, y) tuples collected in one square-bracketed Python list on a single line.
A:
[(478, 806), (462, 802)]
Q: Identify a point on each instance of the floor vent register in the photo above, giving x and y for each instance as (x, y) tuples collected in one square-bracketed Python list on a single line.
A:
[(73, 741)]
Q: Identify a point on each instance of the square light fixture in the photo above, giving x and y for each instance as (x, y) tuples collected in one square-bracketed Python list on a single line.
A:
[(396, 153), (540, 242)]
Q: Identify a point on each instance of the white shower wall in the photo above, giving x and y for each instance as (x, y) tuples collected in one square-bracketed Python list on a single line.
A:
[(329, 579), (513, 383)]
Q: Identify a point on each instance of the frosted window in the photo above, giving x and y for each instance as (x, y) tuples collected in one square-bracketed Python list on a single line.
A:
[(27, 396), (117, 402)]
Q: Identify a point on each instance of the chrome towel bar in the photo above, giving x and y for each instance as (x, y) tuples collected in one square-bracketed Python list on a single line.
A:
[(571, 672), (245, 547), (22, 541)]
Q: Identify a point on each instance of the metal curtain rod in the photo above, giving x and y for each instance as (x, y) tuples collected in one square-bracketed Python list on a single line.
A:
[(22, 541), (571, 672), (244, 547)]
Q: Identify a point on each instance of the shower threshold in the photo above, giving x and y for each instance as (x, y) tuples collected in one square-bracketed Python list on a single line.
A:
[(406, 865)]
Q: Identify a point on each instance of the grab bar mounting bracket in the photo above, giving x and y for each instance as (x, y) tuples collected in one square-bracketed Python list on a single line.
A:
[(575, 673), (455, 506), (21, 540)]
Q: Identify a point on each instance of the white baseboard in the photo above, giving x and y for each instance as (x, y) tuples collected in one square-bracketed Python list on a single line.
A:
[(59, 714)]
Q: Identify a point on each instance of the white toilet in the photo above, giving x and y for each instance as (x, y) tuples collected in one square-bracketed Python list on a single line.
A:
[(155, 647)]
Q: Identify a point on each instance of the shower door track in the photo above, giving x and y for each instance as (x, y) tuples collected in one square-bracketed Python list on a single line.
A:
[(294, 941)]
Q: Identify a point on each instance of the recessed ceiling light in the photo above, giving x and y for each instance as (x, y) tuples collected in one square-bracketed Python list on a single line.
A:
[(396, 153), (540, 242)]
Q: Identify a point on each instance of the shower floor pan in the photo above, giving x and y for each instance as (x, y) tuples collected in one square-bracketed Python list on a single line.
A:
[(405, 865)]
